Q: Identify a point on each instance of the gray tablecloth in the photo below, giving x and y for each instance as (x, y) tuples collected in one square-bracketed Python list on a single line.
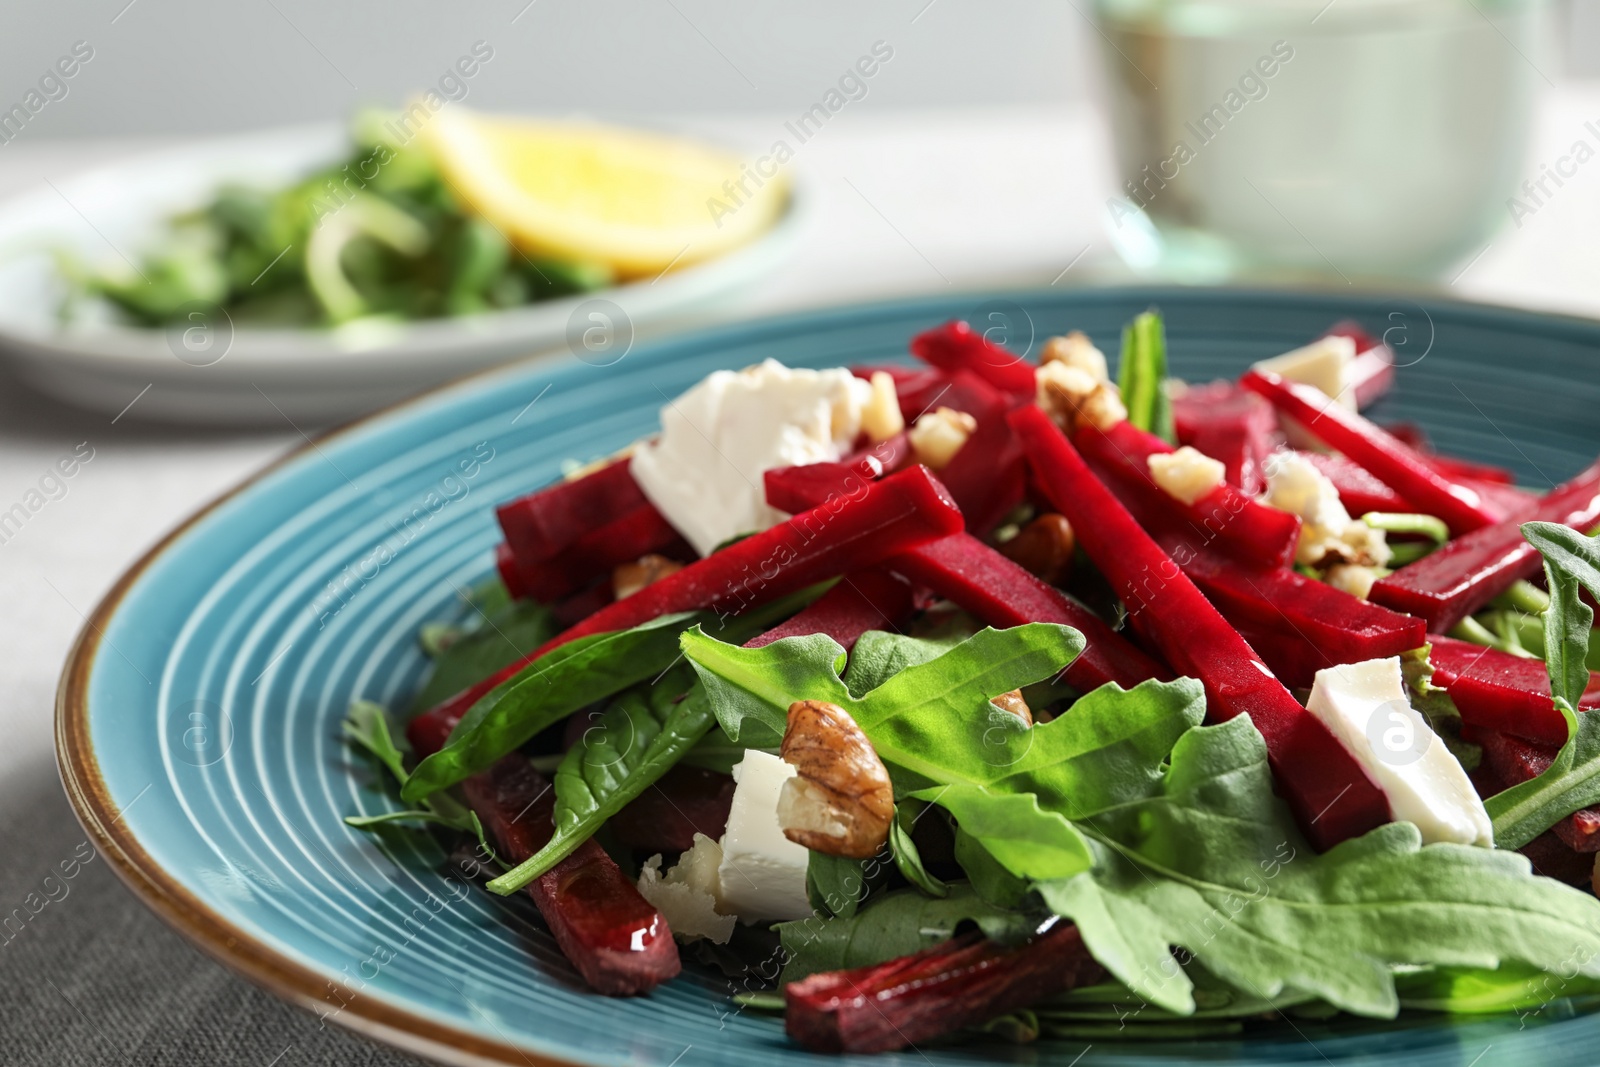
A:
[(95, 978)]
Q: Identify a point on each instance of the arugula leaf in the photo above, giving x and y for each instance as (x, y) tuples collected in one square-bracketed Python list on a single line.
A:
[(366, 725), (892, 925), (505, 633), (1212, 862), (751, 688), (907, 857), (989, 879), (636, 740), (1142, 374), (715, 752), (879, 656), (1022, 837), (1572, 781)]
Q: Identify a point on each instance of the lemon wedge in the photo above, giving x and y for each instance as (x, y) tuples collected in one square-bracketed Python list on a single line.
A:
[(637, 202)]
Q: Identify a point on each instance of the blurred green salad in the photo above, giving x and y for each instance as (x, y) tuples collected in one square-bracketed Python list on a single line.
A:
[(379, 235)]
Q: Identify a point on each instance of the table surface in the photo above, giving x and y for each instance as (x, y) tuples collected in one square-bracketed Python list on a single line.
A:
[(907, 202)]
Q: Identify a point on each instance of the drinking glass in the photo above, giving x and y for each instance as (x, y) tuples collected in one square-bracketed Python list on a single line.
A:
[(1313, 139)]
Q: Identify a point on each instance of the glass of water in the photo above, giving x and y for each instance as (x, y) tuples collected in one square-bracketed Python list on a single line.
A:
[(1316, 139)]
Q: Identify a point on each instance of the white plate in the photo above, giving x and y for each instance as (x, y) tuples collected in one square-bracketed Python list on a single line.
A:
[(217, 374)]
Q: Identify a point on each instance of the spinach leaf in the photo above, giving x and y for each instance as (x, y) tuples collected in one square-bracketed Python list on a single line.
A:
[(895, 924), (548, 690), (1142, 376), (505, 633), (1572, 781), (636, 740), (836, 885), (573, 676)]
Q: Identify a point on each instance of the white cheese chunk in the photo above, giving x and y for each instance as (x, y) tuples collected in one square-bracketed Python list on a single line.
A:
[(1328, 534), (718, 439), (688, 895), (763, 873), (1187, 474), (1365, 706), (1324, 363)]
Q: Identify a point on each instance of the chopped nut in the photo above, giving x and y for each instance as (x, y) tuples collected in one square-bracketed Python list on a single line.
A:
[(1352, 578), (880, 415), (1012, 702), (840, 800), (1044, 548), (628, 578), (1187, 474), (939, 435), (1072, 397), (1076, 350)]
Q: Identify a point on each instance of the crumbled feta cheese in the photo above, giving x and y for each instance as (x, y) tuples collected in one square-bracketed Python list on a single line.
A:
[(1328, 534), (718, 439), (1365, 706), (1076, 350), (1187, 474), (763, 873), (1324, 363), (688, 894), (1071, 395), (880, 415), (939, 434)]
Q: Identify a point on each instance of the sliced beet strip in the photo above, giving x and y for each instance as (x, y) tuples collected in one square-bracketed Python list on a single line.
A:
[(1331, 794), (898, 513), (1225, 517), (961, 982), (1231, 425), (1462, 576), (1496, 690), (616, 939), (1385, 457), (956, 346), (872, 599)]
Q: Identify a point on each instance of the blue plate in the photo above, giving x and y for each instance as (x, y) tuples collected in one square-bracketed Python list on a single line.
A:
[(198, 714)]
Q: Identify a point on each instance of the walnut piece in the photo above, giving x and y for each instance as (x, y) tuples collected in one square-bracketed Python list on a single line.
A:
[(1012, 702), (628, 578), (840, 800), (1044, 548), (1076, 350), (1072, 397)]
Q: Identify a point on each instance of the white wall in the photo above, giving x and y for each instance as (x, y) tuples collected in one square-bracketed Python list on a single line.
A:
[(182, 66)]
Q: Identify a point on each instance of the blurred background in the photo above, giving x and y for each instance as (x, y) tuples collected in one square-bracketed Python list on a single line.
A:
[(175, 68), (1403, 145)]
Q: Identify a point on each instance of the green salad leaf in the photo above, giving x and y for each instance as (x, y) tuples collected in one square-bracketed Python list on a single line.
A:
[(573, 676), (894, 924), (1572, 781), (1211, 861), (636, 740), (557, 684), (880, 655), (907, 857), (505, 633), (366, 725), (836, 885), (1142, 376)]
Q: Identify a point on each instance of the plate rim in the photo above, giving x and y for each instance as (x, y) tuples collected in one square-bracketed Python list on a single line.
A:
[(269, 967)]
